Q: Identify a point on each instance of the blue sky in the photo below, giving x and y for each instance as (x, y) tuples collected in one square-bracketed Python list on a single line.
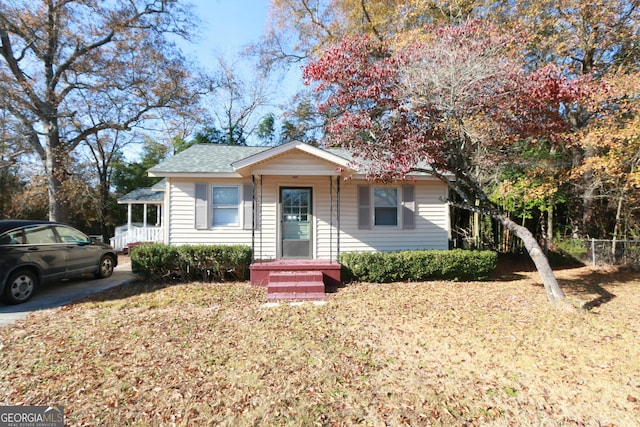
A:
[(228, 26)]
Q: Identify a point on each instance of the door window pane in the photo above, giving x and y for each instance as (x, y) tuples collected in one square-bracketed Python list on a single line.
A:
[(295, 205)]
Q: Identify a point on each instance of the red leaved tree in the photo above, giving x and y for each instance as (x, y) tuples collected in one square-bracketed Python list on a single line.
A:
[(429, 107)]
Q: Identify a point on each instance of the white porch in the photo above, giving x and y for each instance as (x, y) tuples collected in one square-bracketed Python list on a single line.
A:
[(141, 232), (135, 233)]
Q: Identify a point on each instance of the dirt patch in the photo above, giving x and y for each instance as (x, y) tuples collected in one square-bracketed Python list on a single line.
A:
[(432, 353)]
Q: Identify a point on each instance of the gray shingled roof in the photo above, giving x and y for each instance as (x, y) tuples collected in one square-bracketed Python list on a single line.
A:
[(155, 193), (206, 158), (216, 158), (145, 194)]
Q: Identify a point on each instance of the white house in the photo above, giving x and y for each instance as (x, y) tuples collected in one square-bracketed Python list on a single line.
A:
[(296, 205)]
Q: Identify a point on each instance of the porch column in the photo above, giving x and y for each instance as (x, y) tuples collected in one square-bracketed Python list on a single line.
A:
[(338, 179), (331, 217), (253, 218), (144, 215), (128, 217)]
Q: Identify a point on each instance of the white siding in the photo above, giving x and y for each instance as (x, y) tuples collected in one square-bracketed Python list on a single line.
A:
[(430, 232), (431, 222), (181, 218), (267, 196)]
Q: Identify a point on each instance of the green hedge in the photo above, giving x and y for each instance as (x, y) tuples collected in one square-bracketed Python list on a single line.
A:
[(209, 263), (385, 267)]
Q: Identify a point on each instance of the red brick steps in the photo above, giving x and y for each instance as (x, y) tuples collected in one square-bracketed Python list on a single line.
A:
[(295, 285)]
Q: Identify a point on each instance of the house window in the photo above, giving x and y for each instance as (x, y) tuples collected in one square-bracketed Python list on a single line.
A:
[(385, 206), (225, 205)]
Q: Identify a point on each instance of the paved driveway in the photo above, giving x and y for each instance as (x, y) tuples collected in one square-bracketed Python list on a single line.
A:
[(62, 293)]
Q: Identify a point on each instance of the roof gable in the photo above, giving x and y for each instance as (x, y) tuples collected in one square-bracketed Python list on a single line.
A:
[(235, 160), (312, 160)]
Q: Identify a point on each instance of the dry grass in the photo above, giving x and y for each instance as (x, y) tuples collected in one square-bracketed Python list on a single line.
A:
[(434, 353)]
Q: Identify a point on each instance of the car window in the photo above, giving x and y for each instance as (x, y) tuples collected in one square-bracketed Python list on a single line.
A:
[(39, 235), (71, 235), (12, 238)]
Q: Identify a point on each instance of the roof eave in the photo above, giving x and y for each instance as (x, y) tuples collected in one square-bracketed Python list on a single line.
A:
[(195, 174), (245, 164)]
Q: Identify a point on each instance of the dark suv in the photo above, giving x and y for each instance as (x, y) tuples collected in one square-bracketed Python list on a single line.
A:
[(36, 252)]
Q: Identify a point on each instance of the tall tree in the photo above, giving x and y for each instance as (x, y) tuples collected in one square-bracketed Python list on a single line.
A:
[(11, 151), (266, 130), (237, 102), (302, 122), (55, 55), (615, 139), (104, 149), (597, 38), (127, 176), (428, 106), (301, 29)]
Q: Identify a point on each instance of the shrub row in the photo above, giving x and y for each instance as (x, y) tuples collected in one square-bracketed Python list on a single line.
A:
[(385, 267), (209, 263)]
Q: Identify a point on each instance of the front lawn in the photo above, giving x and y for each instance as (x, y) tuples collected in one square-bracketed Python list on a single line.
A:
[(434, 353)]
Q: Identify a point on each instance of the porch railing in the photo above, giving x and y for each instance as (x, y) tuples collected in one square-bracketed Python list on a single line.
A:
[(136, 235)]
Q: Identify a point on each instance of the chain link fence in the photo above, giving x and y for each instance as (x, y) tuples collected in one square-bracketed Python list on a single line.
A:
[(610, 252)]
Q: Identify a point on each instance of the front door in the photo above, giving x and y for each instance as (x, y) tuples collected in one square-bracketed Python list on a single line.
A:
[(295, 220)]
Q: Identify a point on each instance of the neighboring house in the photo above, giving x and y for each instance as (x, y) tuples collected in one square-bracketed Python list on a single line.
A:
[(296, 205)]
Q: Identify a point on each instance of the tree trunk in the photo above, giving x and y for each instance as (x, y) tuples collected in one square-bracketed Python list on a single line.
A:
[(55, 179), (554, 292), (104, 206), (616, 227), (550, 225)]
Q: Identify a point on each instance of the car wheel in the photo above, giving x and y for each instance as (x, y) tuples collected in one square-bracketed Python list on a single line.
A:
[(20, 287), (105, 268)]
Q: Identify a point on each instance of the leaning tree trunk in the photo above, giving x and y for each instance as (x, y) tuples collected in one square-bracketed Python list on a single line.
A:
[(554, 292)]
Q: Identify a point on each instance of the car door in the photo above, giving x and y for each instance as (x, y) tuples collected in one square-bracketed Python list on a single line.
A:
[(42, 249), (81, 256)]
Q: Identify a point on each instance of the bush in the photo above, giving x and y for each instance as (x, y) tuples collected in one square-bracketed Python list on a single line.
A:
[(574, 248), (418, 265), (155, 261), (207, 263)]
